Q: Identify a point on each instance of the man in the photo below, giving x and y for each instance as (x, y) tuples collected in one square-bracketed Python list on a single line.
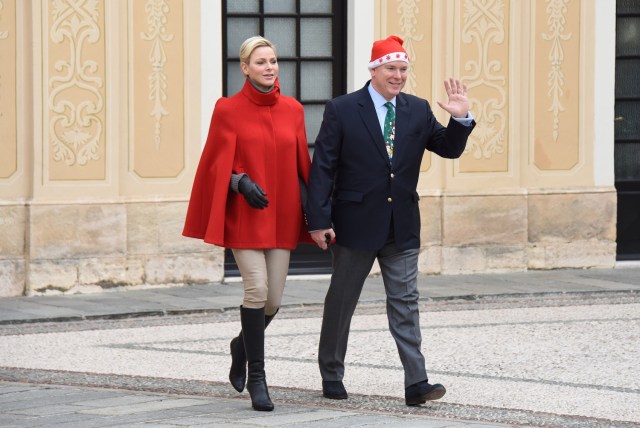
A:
[(362, 193)]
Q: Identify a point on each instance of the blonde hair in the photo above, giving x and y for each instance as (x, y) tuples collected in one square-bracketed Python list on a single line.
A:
[(251, 44)]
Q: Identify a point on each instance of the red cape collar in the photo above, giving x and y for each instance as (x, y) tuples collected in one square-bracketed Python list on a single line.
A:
[(260, 98)]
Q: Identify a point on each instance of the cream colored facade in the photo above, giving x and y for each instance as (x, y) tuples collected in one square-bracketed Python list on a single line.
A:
[(104, 106)]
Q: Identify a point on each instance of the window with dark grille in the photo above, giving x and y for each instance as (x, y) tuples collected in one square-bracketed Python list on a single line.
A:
[(310, 39), (627, 128)]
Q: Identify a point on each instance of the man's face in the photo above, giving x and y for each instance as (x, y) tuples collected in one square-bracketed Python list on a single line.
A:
[(389, 79)]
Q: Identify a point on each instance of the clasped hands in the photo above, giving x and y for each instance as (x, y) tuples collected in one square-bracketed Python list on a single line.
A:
[(323, 237)]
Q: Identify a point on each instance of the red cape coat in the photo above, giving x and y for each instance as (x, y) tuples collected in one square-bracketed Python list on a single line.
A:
[(262, 135)]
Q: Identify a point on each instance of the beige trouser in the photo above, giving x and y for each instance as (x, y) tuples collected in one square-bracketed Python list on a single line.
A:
[(264, 273)]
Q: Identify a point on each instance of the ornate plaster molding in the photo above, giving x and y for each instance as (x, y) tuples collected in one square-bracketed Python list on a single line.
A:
[(483, 26), (408, 11), (3, 36), (556, 10), (157, 11), (75, 126)]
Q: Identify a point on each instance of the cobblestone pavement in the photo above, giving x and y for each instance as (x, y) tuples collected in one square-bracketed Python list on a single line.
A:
[(542, 348)]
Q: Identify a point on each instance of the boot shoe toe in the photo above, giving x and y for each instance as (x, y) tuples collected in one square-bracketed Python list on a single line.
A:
[(334, 390), (238, 370), (422, 392)]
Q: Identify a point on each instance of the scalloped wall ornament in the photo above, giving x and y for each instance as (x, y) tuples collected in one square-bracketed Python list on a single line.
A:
[(76, 128), (408, 11), (556, 20), (157, 34), (3, 36), (483, 26)]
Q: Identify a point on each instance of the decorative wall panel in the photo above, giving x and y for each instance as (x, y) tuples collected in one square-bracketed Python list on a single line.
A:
[(412, 21), (484, 67), (556, 84), (74, 90), (157, 142), (8, 106)]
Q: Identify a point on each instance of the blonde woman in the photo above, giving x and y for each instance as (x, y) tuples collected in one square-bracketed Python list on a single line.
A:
[(246, 197)]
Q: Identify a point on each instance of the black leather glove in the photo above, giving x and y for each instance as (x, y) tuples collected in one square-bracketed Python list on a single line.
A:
[(254, 195)]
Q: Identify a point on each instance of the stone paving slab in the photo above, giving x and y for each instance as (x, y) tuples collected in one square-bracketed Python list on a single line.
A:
[(539, 348), (125, 408), (227, 296), (551, 360)]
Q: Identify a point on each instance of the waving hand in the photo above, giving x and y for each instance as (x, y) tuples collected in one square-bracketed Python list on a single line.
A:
[(458, 104)]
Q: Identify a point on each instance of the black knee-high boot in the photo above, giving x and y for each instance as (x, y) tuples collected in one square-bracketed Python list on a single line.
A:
[(253, 334), (238, 371)]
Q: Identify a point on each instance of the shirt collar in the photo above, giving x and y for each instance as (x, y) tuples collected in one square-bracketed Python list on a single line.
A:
[(379, 100)]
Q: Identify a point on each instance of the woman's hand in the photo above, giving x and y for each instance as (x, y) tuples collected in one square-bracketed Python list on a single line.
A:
[(255, 196)]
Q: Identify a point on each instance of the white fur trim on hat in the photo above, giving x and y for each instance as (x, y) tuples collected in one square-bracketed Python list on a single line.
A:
[(390, 57)]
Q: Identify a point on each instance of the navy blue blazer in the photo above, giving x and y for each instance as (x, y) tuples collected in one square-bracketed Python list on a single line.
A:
[(352, 185)]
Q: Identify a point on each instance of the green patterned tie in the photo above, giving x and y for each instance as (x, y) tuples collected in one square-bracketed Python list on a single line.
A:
[(389, 128)]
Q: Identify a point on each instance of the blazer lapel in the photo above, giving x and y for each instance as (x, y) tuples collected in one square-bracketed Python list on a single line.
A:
[(368, 114), (403, 119)]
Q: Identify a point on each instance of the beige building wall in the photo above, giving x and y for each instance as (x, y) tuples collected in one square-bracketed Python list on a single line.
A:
[(104, 106), (100, 139), (523, 195)]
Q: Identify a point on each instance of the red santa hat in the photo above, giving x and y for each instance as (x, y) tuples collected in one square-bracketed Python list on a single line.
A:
[(387, 50)]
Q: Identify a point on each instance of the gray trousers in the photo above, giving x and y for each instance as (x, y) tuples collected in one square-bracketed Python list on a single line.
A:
[(350, 269)]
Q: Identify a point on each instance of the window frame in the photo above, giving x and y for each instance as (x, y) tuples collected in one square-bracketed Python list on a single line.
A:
[(338, 49), (306, 259)]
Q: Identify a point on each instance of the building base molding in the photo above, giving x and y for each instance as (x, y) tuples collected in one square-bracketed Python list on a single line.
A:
[(502, 231), (94, 246)]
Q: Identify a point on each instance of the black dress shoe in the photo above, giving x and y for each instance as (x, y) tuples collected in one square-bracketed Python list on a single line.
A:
[(421, 392), (334, 389)]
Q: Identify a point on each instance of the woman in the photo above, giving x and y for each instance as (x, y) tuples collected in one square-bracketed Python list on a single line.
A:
[(246, 196)]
